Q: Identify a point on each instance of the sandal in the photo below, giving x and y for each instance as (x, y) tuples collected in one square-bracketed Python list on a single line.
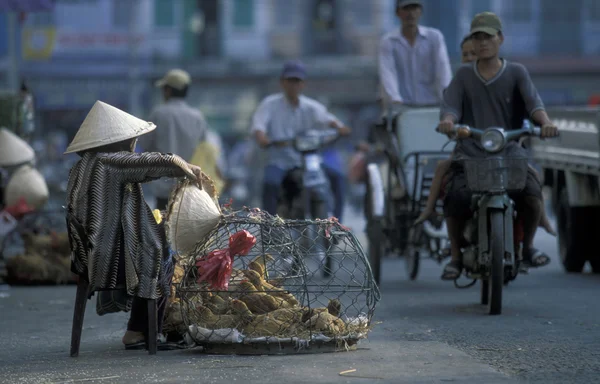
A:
[(534, 258), (161, 344), (173, 345), (452, 271), (138, 345)]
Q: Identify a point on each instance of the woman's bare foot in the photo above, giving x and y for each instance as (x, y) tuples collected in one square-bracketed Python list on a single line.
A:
[(132, 337), (545, 223)]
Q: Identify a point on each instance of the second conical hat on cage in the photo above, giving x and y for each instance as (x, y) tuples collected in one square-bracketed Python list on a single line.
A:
[(192, 215), (105, 125), (28, 183), (13, 149)]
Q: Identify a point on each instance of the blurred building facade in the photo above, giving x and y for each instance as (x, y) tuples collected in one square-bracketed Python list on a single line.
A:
[(113, 50)]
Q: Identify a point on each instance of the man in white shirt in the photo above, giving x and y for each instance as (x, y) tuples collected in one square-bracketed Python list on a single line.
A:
[(179, 127), (414, 67), (281, 117)]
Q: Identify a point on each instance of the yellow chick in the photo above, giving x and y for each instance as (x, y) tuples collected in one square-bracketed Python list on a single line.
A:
[(288, 315), (259, 302), (262, 285), (258, 264), (327, 323), (207, 319), (240, 309), (266, 325), (334, 307)]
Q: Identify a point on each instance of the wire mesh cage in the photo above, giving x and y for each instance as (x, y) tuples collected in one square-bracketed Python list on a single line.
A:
[(299, 283)]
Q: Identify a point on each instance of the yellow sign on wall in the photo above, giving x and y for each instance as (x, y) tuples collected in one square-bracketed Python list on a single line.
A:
[(38, 43)]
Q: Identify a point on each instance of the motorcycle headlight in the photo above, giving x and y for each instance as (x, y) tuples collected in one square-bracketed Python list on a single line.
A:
[(492, 140), (307, 143)]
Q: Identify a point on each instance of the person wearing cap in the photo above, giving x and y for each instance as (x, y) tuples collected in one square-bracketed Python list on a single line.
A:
[(180, 128), (492, 92), (414, 67), (468, 57), (115, 241), (281, 117)]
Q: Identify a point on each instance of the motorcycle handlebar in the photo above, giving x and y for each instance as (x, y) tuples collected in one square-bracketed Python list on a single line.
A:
[(463, 131), (328, 136)]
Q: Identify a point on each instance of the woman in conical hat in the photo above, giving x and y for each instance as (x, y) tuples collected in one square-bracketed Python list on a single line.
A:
[(116, 242)]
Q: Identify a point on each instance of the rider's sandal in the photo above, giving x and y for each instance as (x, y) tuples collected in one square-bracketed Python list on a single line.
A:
[(534, 258), (452, 271)]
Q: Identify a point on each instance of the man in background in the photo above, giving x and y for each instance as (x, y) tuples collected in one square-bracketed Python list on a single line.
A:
[(414, 67), (281, 117), (179, 127)]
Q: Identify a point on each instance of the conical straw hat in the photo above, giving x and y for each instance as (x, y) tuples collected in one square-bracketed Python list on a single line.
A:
[(13, 149), (105, 125), (192, 216), (29, 184)]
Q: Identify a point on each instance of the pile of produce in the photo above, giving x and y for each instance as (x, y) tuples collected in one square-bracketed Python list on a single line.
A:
[(46, 260)]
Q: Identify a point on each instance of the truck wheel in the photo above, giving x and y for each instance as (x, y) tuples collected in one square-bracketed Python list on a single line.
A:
[(572, 234)]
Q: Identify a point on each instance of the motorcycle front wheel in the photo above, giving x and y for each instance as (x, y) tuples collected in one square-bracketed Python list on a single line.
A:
[(496, 282)]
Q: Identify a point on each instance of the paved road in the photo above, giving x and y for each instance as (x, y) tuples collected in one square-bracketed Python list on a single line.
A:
[(429, 333), (549, 331)]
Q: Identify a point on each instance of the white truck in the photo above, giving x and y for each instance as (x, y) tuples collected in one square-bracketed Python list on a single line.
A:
[(571, 167)]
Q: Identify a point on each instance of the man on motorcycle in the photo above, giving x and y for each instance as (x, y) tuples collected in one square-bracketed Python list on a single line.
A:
[(492, 92), (281, 117), (468, 57), (414, 67)]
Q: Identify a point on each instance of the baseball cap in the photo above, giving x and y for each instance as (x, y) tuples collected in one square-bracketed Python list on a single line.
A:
[(406, 3), (486, 22), (293, 69), (175, 78)]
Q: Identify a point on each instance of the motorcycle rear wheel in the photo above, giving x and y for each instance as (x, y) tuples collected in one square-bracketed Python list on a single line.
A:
[(413, 254), (497, 248)]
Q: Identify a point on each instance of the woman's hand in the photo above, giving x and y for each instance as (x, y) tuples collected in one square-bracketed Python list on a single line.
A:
[(197, 171)]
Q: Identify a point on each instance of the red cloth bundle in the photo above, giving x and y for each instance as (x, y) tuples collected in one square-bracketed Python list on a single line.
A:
[(216, 267)]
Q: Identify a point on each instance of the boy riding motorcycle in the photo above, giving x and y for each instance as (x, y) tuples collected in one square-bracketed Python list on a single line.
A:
[(492, 92), (468, 56)]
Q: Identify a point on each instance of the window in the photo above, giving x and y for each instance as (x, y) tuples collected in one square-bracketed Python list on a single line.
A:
[(243, 13), (164, 13), (122, 12)]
